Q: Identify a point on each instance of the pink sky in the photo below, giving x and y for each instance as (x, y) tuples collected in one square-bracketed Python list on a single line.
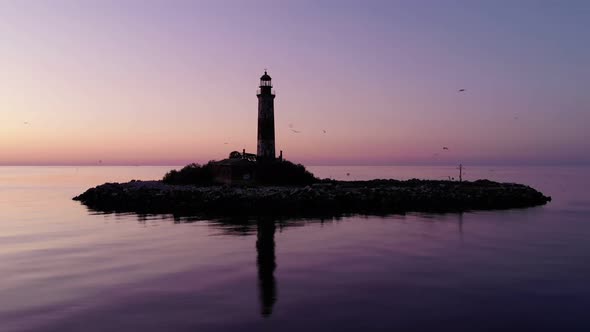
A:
[(155, 82)]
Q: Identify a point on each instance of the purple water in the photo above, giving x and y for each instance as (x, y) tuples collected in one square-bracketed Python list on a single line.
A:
[(63, 268)]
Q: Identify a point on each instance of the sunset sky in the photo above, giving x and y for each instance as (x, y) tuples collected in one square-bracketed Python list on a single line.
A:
[(169, 82)]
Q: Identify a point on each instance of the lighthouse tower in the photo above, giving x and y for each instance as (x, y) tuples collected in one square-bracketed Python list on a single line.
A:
[(266, 119)]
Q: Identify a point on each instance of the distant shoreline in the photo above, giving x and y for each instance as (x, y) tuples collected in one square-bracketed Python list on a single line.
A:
[(314, 165)]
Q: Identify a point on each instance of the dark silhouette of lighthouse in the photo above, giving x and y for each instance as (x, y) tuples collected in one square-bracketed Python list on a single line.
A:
[(266, 119)]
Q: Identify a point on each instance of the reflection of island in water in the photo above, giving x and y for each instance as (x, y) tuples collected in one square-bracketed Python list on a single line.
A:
[(265, 251), (265, 260), (265, 229)]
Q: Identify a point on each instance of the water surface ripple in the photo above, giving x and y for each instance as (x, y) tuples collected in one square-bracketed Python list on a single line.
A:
[(65, 268)]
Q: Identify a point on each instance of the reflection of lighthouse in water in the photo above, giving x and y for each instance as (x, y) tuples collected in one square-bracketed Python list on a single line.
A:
[(265, 248)]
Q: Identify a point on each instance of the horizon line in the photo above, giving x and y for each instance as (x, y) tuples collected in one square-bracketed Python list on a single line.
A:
[(582, 164)]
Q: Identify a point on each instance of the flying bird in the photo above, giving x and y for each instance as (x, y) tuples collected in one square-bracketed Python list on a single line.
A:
[(324, 131), (295, 131), (445, 148), (461, 90), (225, 143)]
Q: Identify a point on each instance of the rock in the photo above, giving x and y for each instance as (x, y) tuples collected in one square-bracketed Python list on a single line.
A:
[(342, 197)]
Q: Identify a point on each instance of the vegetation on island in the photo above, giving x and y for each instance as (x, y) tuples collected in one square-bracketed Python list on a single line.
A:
[(283, 172), (277, 172), (191, 174)]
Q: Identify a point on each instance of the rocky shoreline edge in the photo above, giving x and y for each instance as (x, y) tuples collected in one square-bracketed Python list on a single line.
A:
[(375, 197)]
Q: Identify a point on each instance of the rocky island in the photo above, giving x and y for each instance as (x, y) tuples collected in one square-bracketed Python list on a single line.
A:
[(250, 184), (322, 198)]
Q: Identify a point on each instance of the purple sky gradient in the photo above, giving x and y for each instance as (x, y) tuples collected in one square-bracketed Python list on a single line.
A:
[(170, 82)]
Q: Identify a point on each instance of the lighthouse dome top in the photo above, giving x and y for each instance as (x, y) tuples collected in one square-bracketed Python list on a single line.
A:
[(265, 77)]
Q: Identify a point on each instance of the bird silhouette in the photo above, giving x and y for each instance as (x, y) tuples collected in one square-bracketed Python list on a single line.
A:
[(295, 131), (324, 131), (225, 143), (461, 90), (445, 148)]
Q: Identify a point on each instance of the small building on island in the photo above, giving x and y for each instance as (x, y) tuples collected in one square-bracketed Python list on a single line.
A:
[(240, 168)]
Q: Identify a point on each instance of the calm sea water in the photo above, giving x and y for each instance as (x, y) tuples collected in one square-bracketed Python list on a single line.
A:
[(64, 268)]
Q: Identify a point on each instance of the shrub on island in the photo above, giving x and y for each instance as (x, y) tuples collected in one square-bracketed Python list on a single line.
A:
[(283, 172), (277, 172), (191, 174)]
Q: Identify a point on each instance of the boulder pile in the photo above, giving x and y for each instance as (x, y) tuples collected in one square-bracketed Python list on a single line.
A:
[(375, 197)]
